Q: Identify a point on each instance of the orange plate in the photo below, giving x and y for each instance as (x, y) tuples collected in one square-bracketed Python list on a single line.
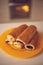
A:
[(22, 53)]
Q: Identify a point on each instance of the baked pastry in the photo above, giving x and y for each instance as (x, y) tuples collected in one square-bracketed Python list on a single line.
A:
[(24, 37), (11, 37), (33, 43), (27, 34), (18, 45)]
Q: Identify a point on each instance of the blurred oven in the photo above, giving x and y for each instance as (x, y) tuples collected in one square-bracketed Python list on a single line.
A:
[(20, 8)]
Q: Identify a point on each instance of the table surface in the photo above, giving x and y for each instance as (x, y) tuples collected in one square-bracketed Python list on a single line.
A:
[(6, 59)]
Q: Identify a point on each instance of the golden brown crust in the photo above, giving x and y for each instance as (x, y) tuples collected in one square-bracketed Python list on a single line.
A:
[(12, 35), (18, 30), (28, 33), (33, 43)]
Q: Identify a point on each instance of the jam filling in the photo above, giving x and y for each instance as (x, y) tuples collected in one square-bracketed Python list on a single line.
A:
[(30, 47)]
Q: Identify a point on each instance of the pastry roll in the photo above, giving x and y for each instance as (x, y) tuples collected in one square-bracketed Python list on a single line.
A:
[(33, 43), (12, 35), (18, 45), (27, 34)]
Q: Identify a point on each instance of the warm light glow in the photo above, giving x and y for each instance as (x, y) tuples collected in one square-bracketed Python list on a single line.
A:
[(25, 8)]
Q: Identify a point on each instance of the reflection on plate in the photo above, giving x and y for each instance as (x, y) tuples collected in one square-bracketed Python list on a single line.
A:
[(22, 53)]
